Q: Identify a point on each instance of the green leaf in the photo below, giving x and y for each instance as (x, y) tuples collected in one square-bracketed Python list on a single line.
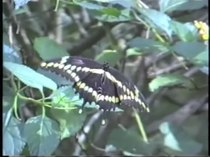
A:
[(169, 80), (42, 135), (176, 139), (186, 32), (13, 141), (181, 5), (109, 56), (29, 76), (70, 121), (192, 51), (49, 49), (162, 23)]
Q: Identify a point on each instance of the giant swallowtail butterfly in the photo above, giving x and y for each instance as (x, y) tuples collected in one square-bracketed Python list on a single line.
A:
[(98, 83)]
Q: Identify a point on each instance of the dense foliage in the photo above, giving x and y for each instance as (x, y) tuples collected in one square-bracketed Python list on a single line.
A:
[(162, 46)]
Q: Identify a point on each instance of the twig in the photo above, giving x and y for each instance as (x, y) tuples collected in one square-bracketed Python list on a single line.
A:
[(169, 69), (81, 138), (181, 115)]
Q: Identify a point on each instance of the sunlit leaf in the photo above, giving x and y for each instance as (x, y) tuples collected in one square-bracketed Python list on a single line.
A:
[(29, 76), (169, 80)]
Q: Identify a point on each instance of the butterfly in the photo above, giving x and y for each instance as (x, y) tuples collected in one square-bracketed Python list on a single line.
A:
[(98, 83)]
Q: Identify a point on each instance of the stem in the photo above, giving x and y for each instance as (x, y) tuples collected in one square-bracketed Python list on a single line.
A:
[(56, 6), (140, 125), (15, 107)]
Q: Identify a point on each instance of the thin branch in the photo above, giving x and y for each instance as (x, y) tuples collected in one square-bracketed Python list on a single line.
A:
[(169, 69), (82, 137), (181, 115)]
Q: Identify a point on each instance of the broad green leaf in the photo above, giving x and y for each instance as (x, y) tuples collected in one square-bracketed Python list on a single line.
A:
[(193, 51), (186, 32), (160, 20), (169, 80), (29, 76), (13, 141), (49, 49), (181, 5), (109, 56), (178, 140), (42, 135), (70, 121)]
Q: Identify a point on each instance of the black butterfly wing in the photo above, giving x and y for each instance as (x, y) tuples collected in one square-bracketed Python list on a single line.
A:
[(128, 93), (89, 85), (106, 87)]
